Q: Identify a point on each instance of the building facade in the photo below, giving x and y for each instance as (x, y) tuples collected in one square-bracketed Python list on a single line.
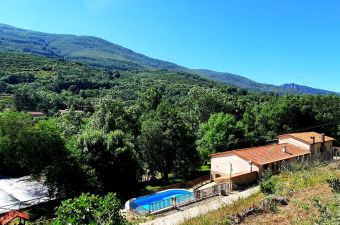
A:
[(295, 147), (320, 145)]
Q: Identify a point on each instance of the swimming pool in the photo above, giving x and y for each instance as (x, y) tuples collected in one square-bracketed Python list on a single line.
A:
[(161, 200)]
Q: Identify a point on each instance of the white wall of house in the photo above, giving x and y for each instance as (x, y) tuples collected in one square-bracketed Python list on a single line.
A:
[(221, 165), (294, 142), (315, 149)]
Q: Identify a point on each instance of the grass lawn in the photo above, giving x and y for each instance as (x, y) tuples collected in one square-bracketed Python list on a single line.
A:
[(302, 187)]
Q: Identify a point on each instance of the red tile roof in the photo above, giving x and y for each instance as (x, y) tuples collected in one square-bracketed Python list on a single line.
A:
[(8, 217), (263, 155), (306, 137)]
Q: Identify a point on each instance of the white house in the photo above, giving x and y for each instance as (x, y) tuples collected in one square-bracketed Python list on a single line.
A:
[(320, 145), (291, 147)]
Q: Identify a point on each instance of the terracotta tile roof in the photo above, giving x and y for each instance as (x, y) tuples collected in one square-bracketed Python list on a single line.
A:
[(263, 155), (306, 137), (8, 217)]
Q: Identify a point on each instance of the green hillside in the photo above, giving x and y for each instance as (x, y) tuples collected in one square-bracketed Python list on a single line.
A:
[(47, 83), (242, 82), (99, 53), (311, 200), (91, 50)]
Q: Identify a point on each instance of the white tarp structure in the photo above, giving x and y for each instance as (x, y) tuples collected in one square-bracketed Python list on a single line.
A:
[(19, 192)]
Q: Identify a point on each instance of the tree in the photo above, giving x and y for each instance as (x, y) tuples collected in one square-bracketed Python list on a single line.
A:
[(24, 98), (90, 209), (45, 146), (37, 148), (112, 158), (150, 99), (219, 133), (200, 103), (110, 115), (15, 133), (71, 123), (3, 87), (166, 143)]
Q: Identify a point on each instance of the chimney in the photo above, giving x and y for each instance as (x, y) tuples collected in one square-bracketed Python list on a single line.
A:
[(284, 148), (322, 137), (312, 140)]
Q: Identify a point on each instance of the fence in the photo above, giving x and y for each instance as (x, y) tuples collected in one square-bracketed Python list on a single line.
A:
[(213, 191), (198, 182), (181, 200), (192, 184), (138, 209), (184, 199), (160, 205), (163, 204)]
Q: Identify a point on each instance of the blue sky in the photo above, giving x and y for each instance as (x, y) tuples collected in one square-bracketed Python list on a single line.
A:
[(269, 41)]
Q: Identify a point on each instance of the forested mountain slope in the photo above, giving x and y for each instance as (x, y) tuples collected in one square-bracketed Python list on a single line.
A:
[(301, 89), (100, 53), (91, 50), (50, 83)]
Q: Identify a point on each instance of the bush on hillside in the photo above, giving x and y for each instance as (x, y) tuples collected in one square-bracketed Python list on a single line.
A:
[(90, 209), (268, 183)]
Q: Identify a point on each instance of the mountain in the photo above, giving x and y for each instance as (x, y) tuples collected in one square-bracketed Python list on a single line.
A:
[(306, 90), (90, 50), (97, 52), (239, 81)]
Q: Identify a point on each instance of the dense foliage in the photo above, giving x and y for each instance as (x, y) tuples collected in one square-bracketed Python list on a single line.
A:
[(135, 125), (48, 84), (90, 209)]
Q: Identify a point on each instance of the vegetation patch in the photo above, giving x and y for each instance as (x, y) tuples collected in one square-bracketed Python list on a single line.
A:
[(133, 131), (312, 197)]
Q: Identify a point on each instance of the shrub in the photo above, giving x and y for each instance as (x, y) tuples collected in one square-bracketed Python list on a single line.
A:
[(334, 183), (273, 207), (90, 209), (268, 183), (329, 214)]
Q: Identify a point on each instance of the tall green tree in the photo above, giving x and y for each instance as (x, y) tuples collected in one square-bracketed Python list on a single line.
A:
[(221, 132), (151, 98), (15, 133), (200, 103), (110, 115), (111, 156), (166, 142)]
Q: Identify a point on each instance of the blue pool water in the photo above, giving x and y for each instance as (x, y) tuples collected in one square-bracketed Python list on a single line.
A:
[(162, 199)]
